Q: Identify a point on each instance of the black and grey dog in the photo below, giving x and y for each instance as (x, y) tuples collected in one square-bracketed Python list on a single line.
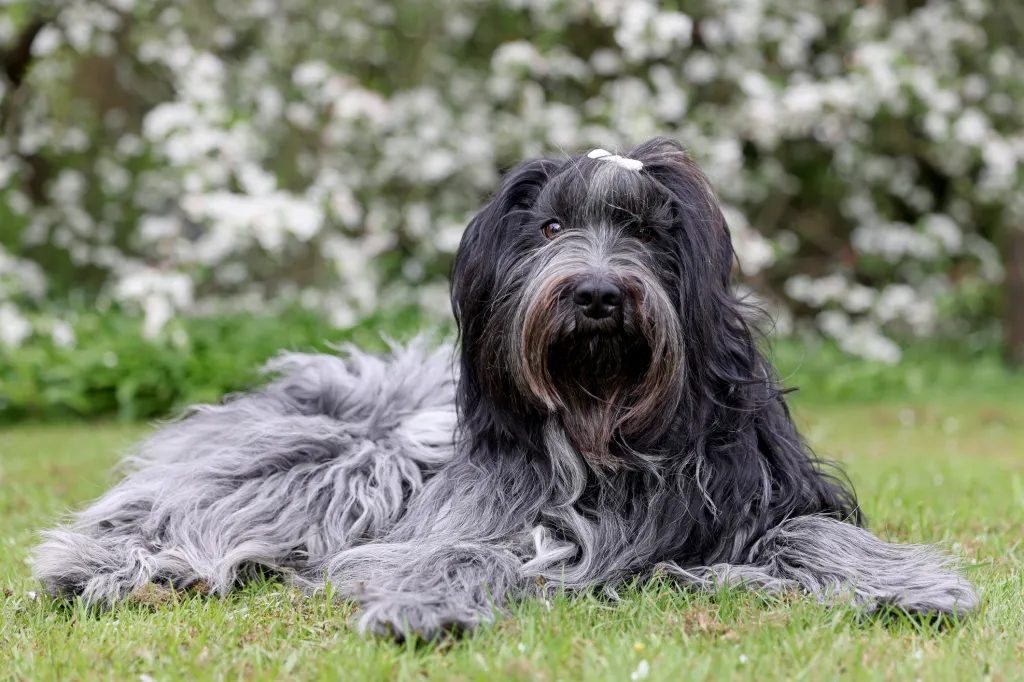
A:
[(609, 416)]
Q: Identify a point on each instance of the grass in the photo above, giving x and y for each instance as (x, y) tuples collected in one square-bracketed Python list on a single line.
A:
[(935, 471)]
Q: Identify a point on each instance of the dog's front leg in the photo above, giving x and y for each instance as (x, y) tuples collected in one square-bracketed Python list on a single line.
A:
[(426, 588)]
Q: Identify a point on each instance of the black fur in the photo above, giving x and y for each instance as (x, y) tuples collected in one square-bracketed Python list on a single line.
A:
[(731, 416)]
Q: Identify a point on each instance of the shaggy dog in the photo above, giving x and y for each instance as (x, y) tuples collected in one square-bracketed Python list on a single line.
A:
[(609, 416)]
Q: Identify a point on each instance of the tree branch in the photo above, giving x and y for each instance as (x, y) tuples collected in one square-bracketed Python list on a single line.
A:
[(1014, 296), (15, 61)]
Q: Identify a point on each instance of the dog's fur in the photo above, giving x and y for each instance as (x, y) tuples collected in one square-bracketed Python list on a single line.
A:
[(585, 452)]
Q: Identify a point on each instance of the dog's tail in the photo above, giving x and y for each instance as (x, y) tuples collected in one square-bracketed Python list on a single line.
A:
[(326, 456), (839, 563)]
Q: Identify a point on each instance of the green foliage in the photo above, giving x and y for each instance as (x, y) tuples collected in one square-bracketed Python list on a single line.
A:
[(822, 372), (112, 371)]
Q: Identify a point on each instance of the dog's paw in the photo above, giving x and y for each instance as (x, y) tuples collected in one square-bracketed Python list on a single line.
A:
[(402, 617), (74, 565)]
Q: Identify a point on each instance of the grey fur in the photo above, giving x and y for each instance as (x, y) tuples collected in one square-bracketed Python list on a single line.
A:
[(313, 475), (323, 457), (585, 452), (840, 564)]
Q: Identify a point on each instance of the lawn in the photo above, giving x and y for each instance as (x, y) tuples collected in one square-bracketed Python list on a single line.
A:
[(933, 471)]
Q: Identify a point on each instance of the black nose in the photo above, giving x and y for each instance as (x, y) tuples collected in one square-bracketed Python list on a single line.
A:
[(597, 297)]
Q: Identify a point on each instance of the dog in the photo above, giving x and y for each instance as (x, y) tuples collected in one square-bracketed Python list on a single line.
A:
[(608, 416)]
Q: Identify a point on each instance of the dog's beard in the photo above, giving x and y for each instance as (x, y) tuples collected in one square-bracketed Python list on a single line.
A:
[(612, 382)]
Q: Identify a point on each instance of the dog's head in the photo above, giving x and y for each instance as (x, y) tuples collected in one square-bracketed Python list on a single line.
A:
[(580, 289)]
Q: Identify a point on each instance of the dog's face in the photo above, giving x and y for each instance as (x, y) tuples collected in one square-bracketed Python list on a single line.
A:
[(571, 289)]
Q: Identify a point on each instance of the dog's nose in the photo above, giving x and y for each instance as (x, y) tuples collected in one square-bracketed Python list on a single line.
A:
[(597, 297)]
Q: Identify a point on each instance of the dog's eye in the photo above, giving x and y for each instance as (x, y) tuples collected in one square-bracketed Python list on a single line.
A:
[(644, 234), (552, 229)]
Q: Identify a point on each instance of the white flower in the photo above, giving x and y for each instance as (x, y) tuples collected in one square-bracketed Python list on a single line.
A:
[(753, 251), (945, 231), (143, 283), (700, 68), (436, 300), (311, 74), (158, 312), (301, 115), (516, 55), (114, 178), (20, 276), (14, 327), (605, 62), (68, 187), (971, 128), (47, 41), (643, 669), (164, 118), (62, 334), (858, 298), (674, 27)]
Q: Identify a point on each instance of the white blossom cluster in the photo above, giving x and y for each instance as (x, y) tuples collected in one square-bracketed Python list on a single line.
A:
[(253, 153)]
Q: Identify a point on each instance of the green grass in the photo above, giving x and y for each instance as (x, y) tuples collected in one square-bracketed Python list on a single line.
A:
[(934, 471)]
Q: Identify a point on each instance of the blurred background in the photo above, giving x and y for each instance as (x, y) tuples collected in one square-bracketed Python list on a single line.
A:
[(188, 186)]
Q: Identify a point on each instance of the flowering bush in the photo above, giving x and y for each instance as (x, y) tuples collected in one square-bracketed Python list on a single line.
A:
[(195, 156)]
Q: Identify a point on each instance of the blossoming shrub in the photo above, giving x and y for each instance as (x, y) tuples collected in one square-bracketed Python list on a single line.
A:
[(197, 156)]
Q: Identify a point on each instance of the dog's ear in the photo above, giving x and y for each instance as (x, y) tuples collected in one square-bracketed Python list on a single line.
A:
[(475, 265), (474, 277), (720, 342), (701, 229), (702, 253), (733, 401)]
